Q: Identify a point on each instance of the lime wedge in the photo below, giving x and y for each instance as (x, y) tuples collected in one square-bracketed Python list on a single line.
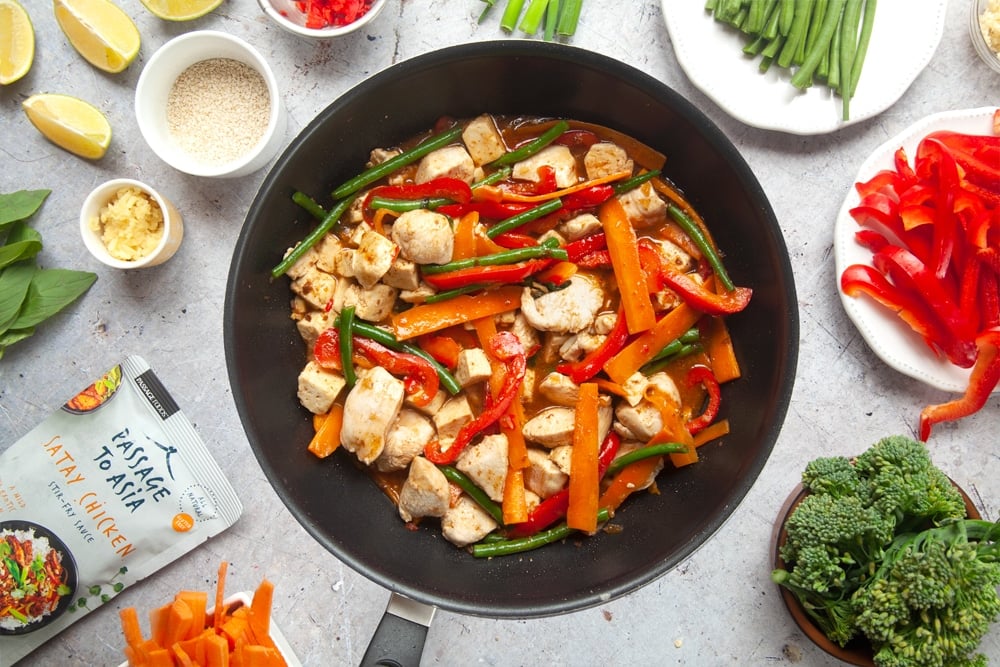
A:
[(70, 123), (17, 41), (100, 31), (180, 10)]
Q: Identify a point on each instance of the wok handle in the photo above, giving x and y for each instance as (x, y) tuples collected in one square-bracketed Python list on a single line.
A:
[(400, 635)]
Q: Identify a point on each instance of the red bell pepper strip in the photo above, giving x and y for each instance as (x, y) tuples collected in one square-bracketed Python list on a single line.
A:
[(486, 208), (590, 365), (512, 240), (982, 381), (703, 375), (420, 379), (588, 198), (588, 244), (444, 187), (554, 507), (493, 274), (577, 139), (506, 348), (699, 297), (545, 184)]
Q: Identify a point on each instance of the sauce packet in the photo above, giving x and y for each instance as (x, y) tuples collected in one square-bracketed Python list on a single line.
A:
[(104, 492)]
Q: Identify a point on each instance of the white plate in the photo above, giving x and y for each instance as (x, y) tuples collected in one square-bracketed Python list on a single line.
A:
[(888, 336), (904, 38), (246, 597)]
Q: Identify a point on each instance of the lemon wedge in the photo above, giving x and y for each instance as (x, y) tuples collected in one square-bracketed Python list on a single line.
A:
[(100, 31), (180, 10), (17, 41), (70, 123)]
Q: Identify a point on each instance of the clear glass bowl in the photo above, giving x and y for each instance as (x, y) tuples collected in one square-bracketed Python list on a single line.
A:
[(989, 56)]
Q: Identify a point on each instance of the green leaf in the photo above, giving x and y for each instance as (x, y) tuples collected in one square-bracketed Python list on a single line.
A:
[(50, 291), (23, 242), (20, 205), (14, 282)]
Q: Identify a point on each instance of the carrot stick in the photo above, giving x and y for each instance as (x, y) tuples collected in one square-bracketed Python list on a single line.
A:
[(584, 481), (178, 622), (130, 627), (623, 246), (197, 602), (260, 612), (626, 482), (719, 347), (669, 328), (429, 317), (465, 236), (711, 432), (674, 428), (327, 437), (220, 595)]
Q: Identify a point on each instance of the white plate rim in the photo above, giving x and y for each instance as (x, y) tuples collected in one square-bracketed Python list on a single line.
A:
[(710, 55), (888, 336)]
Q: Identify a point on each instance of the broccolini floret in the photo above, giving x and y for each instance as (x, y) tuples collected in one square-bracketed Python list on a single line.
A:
[(879, 547)]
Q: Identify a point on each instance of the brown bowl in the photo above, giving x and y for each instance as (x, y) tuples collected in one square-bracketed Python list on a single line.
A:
[(858, 651)]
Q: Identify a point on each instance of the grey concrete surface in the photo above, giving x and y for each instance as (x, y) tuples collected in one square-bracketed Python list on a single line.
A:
[(718, 607)]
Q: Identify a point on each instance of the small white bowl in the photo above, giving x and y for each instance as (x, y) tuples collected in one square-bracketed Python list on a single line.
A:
[(173, 225), (288, 16), (989, 56), (157, 79)]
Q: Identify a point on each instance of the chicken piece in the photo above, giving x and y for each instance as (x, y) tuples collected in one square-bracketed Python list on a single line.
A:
[(525, 333), (449, 420), (559, 389), (665, 384), (643, 206), (560, 158), (407, 437), (485, 463), (473, 367), (674, 254), (315, 287), (580, 226), (483, 140), (465, 522), (571, 309), (425, 491), (562, 456), (450, 161), (543, 475), (418, 294), (606, 159), (380, 155), (373, 305), (641, 421), (312, 324), (319, 388), (635, 388), (580, 345), (424, 237), (527, 395), (327, 250), (403, 274), (370, 408), (551, 427), (604, 323), (373, 258)]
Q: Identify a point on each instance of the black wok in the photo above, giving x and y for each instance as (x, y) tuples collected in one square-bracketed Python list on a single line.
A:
[(337, 503)]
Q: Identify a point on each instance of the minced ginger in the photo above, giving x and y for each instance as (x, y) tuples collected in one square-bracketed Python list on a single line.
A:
[(989, 23), (130, 224)]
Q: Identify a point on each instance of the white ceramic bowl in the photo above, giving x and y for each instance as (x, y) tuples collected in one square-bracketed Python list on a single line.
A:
[(287, 15), (989, 56), (157, 80), (173, 225)]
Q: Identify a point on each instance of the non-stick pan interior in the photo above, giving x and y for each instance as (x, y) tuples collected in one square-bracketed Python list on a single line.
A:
[(336, 502)]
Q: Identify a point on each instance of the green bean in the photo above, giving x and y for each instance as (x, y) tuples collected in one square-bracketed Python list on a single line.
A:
[(522, 544), (644, 453), (867, 24), (831, 19), (548, 248), (693, 230), (797, 34), (380, 335), (346, 331), (679, 352), (310, 205), (786, 17), (410, 156), (477, 494), (403, 205), (690, 336), (495, 177), (523, 218), (848, 50), (532, 147), (328, 223), (635, 181)]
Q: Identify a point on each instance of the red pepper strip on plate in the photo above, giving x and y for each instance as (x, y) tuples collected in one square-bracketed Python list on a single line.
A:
[(420, 379), (982, 381), (553, 508), (586, 368), (703, 375), (493, 274), (506, 348)]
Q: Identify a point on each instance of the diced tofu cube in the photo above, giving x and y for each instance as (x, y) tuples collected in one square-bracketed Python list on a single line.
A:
[(403, 274), (483, 140), (643, 206), (473, 367), (450, 161), (313, 323), (431, 408), (425, 491), (303, 264), (449, 420), (359, 231), (373, 305), (485, 463), (373, 258), (580, 226), (343, 262), (556, 156), (606, 159), (326, 250), (319, 388), (424, 237), (417, 295), (315, 287)]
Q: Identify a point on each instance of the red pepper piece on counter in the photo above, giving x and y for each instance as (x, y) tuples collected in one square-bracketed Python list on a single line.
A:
[(506, 348), (420, 379), (553, 508), (703, 375), (502, 274), (982, 381), (590, 365)]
